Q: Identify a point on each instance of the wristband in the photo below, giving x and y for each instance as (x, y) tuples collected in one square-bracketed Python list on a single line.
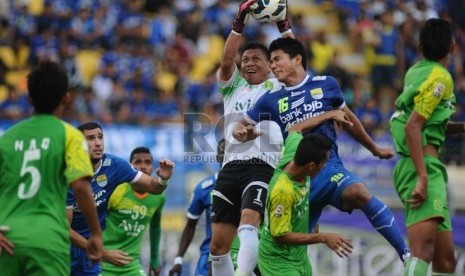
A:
[(163, 182), (178, 260)]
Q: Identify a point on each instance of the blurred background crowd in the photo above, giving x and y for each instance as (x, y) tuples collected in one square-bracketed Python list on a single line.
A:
[(148, 62)]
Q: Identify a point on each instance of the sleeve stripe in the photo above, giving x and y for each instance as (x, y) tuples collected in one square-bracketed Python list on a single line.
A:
[(192, 216), (136, 178)]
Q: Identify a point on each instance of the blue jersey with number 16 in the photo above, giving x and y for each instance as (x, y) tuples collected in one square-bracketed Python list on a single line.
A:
[(289, 105)]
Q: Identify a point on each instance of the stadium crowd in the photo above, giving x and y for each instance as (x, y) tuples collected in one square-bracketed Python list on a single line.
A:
[(149, 62)]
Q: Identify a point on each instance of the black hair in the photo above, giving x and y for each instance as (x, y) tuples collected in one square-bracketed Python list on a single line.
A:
[(47, 85), (139, 150), (436, 38), (313, 147), (290, 46), (256, 45), (89, 126)]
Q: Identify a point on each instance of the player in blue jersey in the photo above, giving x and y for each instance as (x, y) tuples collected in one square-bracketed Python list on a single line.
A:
[(109, 172), (304, 97), (200, 202)]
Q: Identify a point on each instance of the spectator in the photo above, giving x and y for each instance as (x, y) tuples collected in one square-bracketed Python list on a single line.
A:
[(16, 106)]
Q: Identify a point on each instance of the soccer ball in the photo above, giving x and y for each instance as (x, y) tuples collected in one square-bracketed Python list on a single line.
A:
[(269, 10)]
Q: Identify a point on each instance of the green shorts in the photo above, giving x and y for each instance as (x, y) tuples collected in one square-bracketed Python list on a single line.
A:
[(435, 205), (284, 268), (34, 262)]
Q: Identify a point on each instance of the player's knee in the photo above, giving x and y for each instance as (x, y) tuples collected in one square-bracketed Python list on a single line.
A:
[(218, 248)]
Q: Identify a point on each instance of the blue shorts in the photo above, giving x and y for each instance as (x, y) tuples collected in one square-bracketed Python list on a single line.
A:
[(202, 265), (81, 265), (326, 189)]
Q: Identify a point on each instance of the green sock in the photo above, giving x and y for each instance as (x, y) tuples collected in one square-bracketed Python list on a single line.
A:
[(416, 267)]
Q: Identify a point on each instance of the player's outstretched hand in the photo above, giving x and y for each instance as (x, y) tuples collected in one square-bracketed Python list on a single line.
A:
[(245, 133), (5, 244), (95, 248), (165, 169), (338, 243), (383, 153), (176, 270), (117, 257), (245, 7)]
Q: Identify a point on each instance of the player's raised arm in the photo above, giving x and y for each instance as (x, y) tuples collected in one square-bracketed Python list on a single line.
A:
[(233, 42), (284, 26), (155, 185)]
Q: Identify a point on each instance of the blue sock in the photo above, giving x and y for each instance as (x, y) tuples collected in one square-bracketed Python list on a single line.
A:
[(380, 216)]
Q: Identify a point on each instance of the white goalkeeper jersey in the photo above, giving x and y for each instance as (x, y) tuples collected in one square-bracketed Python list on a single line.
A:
[(238, 97)]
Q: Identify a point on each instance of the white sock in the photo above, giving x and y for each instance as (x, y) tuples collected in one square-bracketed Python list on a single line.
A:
[(248, 251), (222, 265)]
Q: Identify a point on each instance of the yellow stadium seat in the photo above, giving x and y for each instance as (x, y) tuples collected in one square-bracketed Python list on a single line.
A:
[(7, 56), (13, 61), (166, 81), (36, 7), (88, 61)]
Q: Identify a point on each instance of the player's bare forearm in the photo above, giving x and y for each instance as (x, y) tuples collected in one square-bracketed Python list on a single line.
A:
[(414, 143), (308, 124), (187, 236), (358, 132), (77, 239), (85, 199), (228, 61), (294, 238)]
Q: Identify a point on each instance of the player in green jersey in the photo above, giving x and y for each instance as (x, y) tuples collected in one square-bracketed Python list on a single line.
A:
[(39, 158), (284, 237), (419, 127), (129, 213)]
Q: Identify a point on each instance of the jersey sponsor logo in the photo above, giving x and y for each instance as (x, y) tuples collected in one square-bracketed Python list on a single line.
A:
[(302, 112), (278, 211), (317, 93), (439, 90), (297, 93), (243, 106), (102, 180)]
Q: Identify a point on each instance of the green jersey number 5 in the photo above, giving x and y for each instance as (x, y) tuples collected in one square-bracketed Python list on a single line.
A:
[(27, 168)]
